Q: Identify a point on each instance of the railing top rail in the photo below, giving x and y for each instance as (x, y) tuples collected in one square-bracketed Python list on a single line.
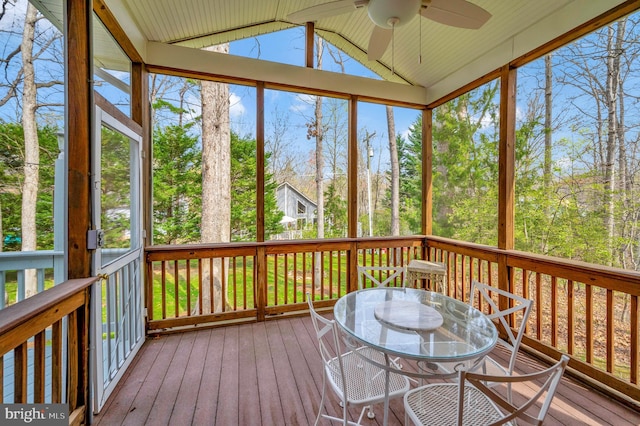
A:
[(28, 309), (195, 251), (37, 259), (612, 278)]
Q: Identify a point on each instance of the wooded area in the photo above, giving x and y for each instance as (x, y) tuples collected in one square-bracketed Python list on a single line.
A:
[(577, 155)]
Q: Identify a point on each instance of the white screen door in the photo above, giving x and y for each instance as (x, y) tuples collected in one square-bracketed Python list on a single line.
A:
[(118, 318)]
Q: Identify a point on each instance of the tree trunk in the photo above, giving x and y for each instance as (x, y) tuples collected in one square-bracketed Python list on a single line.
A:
[(548, 114), (216, 185), (31, 147), (395, 173), (613, 70)]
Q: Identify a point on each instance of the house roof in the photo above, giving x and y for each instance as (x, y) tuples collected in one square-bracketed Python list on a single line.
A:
[(450, 57), (294, 189)]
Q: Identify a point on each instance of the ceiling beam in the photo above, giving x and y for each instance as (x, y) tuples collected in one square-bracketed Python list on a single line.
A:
[(236, 68)]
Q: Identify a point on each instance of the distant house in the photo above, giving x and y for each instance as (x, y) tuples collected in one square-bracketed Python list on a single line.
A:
[(298, 209)]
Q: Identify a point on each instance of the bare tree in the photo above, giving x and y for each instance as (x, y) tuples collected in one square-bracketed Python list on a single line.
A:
[(31, 146), (395, 173), (281, 162), (548, 115)]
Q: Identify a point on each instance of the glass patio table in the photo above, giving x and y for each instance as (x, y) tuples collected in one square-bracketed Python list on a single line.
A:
[(414, 324)]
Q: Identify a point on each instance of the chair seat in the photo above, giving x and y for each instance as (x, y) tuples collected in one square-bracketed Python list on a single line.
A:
[(437, 404), (365, 381), (472, 402)]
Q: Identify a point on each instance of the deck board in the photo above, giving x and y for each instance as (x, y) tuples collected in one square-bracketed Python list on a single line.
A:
[(206, 403), (248, 376), (182, 414), (269, 373)]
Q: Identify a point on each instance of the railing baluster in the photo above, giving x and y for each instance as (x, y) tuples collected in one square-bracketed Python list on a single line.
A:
[(331, 283), (286, 279), (20, 374), (295, 278), (163, 289), (314, 280), (188, 285), (2, 379), (200, 286), (589, 315), (570, 318), (634, 326), (276, 261), (610, 339), (234, 276), (244, 283), (176, 289), (39, 372), (56, 362), (210, 283), (554, 311), (223, 282)]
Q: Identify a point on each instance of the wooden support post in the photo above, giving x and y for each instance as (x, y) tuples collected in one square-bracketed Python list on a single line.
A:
[(309, 44), (141, 114), (352, 194), (427, 178), (260, 162), (79, 135), (506, 173), (427, 171)]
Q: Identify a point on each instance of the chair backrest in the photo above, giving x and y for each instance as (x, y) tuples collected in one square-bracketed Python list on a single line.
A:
[(381, 276), (535, 406), (517, 306), (328, 343)]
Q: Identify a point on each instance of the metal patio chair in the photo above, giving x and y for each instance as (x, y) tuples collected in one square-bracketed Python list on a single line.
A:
[(353, 379), (470, 402)]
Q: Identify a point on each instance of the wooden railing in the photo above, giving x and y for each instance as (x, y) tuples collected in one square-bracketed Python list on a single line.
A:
[(48, 264), (589, 312), (39, 337), (586, 311), (255, 281)]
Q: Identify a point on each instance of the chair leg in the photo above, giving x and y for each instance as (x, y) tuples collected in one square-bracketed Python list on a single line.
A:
[(370, 412), (324, 387)]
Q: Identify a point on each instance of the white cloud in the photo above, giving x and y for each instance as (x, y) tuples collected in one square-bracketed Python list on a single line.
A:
[(236, 108), (14, 16), (303, 103)]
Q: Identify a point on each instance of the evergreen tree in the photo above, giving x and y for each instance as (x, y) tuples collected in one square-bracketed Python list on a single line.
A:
[(335, 213), (465, 168), (176, 186), (11, 164), (243, 193)]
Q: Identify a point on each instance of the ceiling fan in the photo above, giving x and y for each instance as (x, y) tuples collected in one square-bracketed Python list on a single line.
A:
[(389, 14)]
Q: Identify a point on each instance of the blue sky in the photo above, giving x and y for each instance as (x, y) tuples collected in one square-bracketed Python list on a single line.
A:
[(288, 47)]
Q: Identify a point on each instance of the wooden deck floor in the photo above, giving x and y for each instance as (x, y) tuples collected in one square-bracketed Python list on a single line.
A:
[(268, 374)]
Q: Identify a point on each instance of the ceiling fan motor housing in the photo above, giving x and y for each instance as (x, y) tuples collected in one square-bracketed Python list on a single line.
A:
[(392, 13)]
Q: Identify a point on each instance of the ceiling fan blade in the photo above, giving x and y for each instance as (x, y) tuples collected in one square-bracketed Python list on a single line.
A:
[(456, 13), (378, 42), (320, 11)]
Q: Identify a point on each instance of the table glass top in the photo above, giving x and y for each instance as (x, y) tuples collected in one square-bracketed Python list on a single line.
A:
[(416, 324)]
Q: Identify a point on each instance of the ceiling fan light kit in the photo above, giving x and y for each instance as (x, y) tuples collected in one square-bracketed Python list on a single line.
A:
[(389, 14)]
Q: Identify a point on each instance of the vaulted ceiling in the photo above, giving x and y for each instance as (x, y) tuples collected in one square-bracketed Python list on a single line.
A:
[(423, 52)]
